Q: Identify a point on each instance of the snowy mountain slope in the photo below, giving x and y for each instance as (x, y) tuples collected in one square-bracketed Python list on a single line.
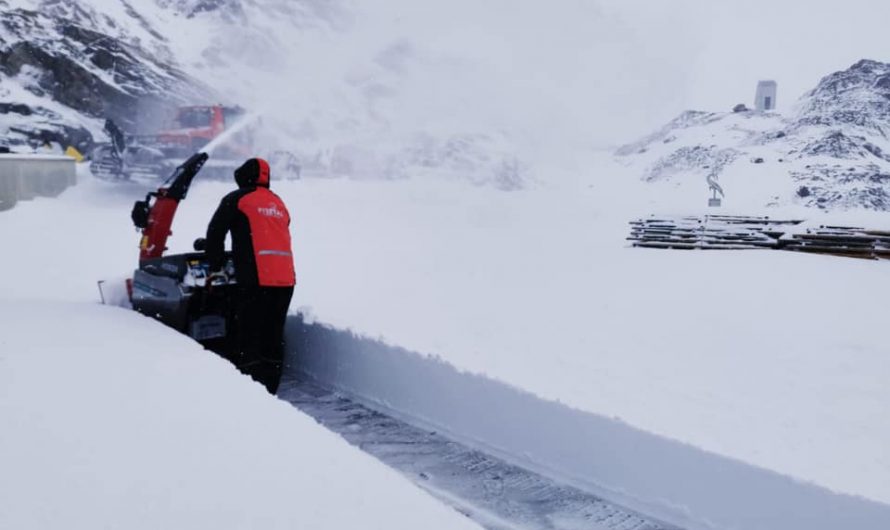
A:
[(325, 88), (30, 119), (829, 152), (74, 64)]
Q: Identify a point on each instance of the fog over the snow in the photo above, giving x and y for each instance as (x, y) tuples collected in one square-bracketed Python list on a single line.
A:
[(548, 74), (551, 77), (542, 81)]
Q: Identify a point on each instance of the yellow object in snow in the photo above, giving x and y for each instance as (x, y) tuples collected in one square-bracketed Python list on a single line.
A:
[(74, 153)]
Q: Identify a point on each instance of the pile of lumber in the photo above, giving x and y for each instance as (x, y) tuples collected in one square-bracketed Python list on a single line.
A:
[(841, 241), (724, 232), (720, 232)]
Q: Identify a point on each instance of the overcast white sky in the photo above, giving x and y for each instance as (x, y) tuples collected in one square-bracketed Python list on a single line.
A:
[(614, 69), (595, 72), (722, 47)]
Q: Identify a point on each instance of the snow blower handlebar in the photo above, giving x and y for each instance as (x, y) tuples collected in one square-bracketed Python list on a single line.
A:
[(155, 217)]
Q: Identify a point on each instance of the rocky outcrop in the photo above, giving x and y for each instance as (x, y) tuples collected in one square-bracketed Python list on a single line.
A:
[(191, 8), (61, 73), (834, 146), (854, 99)]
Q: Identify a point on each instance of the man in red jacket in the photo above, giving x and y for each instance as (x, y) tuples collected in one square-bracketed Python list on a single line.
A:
[(264, 269)]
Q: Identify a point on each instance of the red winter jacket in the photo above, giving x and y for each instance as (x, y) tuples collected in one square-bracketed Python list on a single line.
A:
[(259, 223)]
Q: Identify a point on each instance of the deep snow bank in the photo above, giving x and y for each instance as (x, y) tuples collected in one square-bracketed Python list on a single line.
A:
[(111, 420), (663, 478), (777, 360)]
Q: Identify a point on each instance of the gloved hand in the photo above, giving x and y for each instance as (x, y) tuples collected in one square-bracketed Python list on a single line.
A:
[(217, 278)]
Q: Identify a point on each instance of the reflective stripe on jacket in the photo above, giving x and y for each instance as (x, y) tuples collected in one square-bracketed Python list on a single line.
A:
[(269, 221)]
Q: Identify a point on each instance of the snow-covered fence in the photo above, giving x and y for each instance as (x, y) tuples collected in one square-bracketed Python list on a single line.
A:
[(672, 481), (25, 176)]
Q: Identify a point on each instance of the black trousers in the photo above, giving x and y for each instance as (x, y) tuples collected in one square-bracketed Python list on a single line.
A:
[(260, 316)]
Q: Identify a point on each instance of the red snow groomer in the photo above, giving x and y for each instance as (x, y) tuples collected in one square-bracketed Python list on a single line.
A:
[(195, 127), (178, 289), (153, 156)]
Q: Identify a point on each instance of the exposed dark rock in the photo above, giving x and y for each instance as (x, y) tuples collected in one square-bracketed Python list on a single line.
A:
[(883, 82), (56, 53), (16, 108), (832, 187), (875, 150), (64, 76), (190, 8), (857, 96)]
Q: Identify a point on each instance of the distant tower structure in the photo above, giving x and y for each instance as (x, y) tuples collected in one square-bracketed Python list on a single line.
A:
[(765, 99)]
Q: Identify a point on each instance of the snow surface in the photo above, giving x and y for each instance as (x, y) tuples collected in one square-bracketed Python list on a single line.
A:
[(110, 420), (664, 479), (777, 360), (774, 359)]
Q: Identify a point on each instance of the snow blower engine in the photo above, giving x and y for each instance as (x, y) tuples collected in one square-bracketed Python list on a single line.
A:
[(179, 289)]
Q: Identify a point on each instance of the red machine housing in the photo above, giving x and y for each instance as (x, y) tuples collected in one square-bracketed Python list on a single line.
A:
[(195, 126), (155, 214)]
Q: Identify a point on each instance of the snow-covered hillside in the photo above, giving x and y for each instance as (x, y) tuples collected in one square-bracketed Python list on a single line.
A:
[(67, 66), (831, 151)]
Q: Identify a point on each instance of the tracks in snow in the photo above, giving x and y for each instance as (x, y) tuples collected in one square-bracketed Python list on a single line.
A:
[(584, 457), (490, 491)]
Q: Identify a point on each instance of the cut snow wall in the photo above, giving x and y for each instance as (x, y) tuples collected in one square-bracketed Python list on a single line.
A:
[(662, 478), (24, 177)]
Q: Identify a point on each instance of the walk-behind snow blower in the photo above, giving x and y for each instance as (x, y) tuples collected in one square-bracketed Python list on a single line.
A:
[(179, 289)]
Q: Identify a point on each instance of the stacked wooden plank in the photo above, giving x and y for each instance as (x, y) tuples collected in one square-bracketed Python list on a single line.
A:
[(715, 232), (841, 241), (724, 232)]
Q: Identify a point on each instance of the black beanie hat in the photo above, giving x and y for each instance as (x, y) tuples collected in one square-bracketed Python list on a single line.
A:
[(254, 172)]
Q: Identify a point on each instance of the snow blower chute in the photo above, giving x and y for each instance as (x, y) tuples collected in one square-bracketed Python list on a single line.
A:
[(178, 289)]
